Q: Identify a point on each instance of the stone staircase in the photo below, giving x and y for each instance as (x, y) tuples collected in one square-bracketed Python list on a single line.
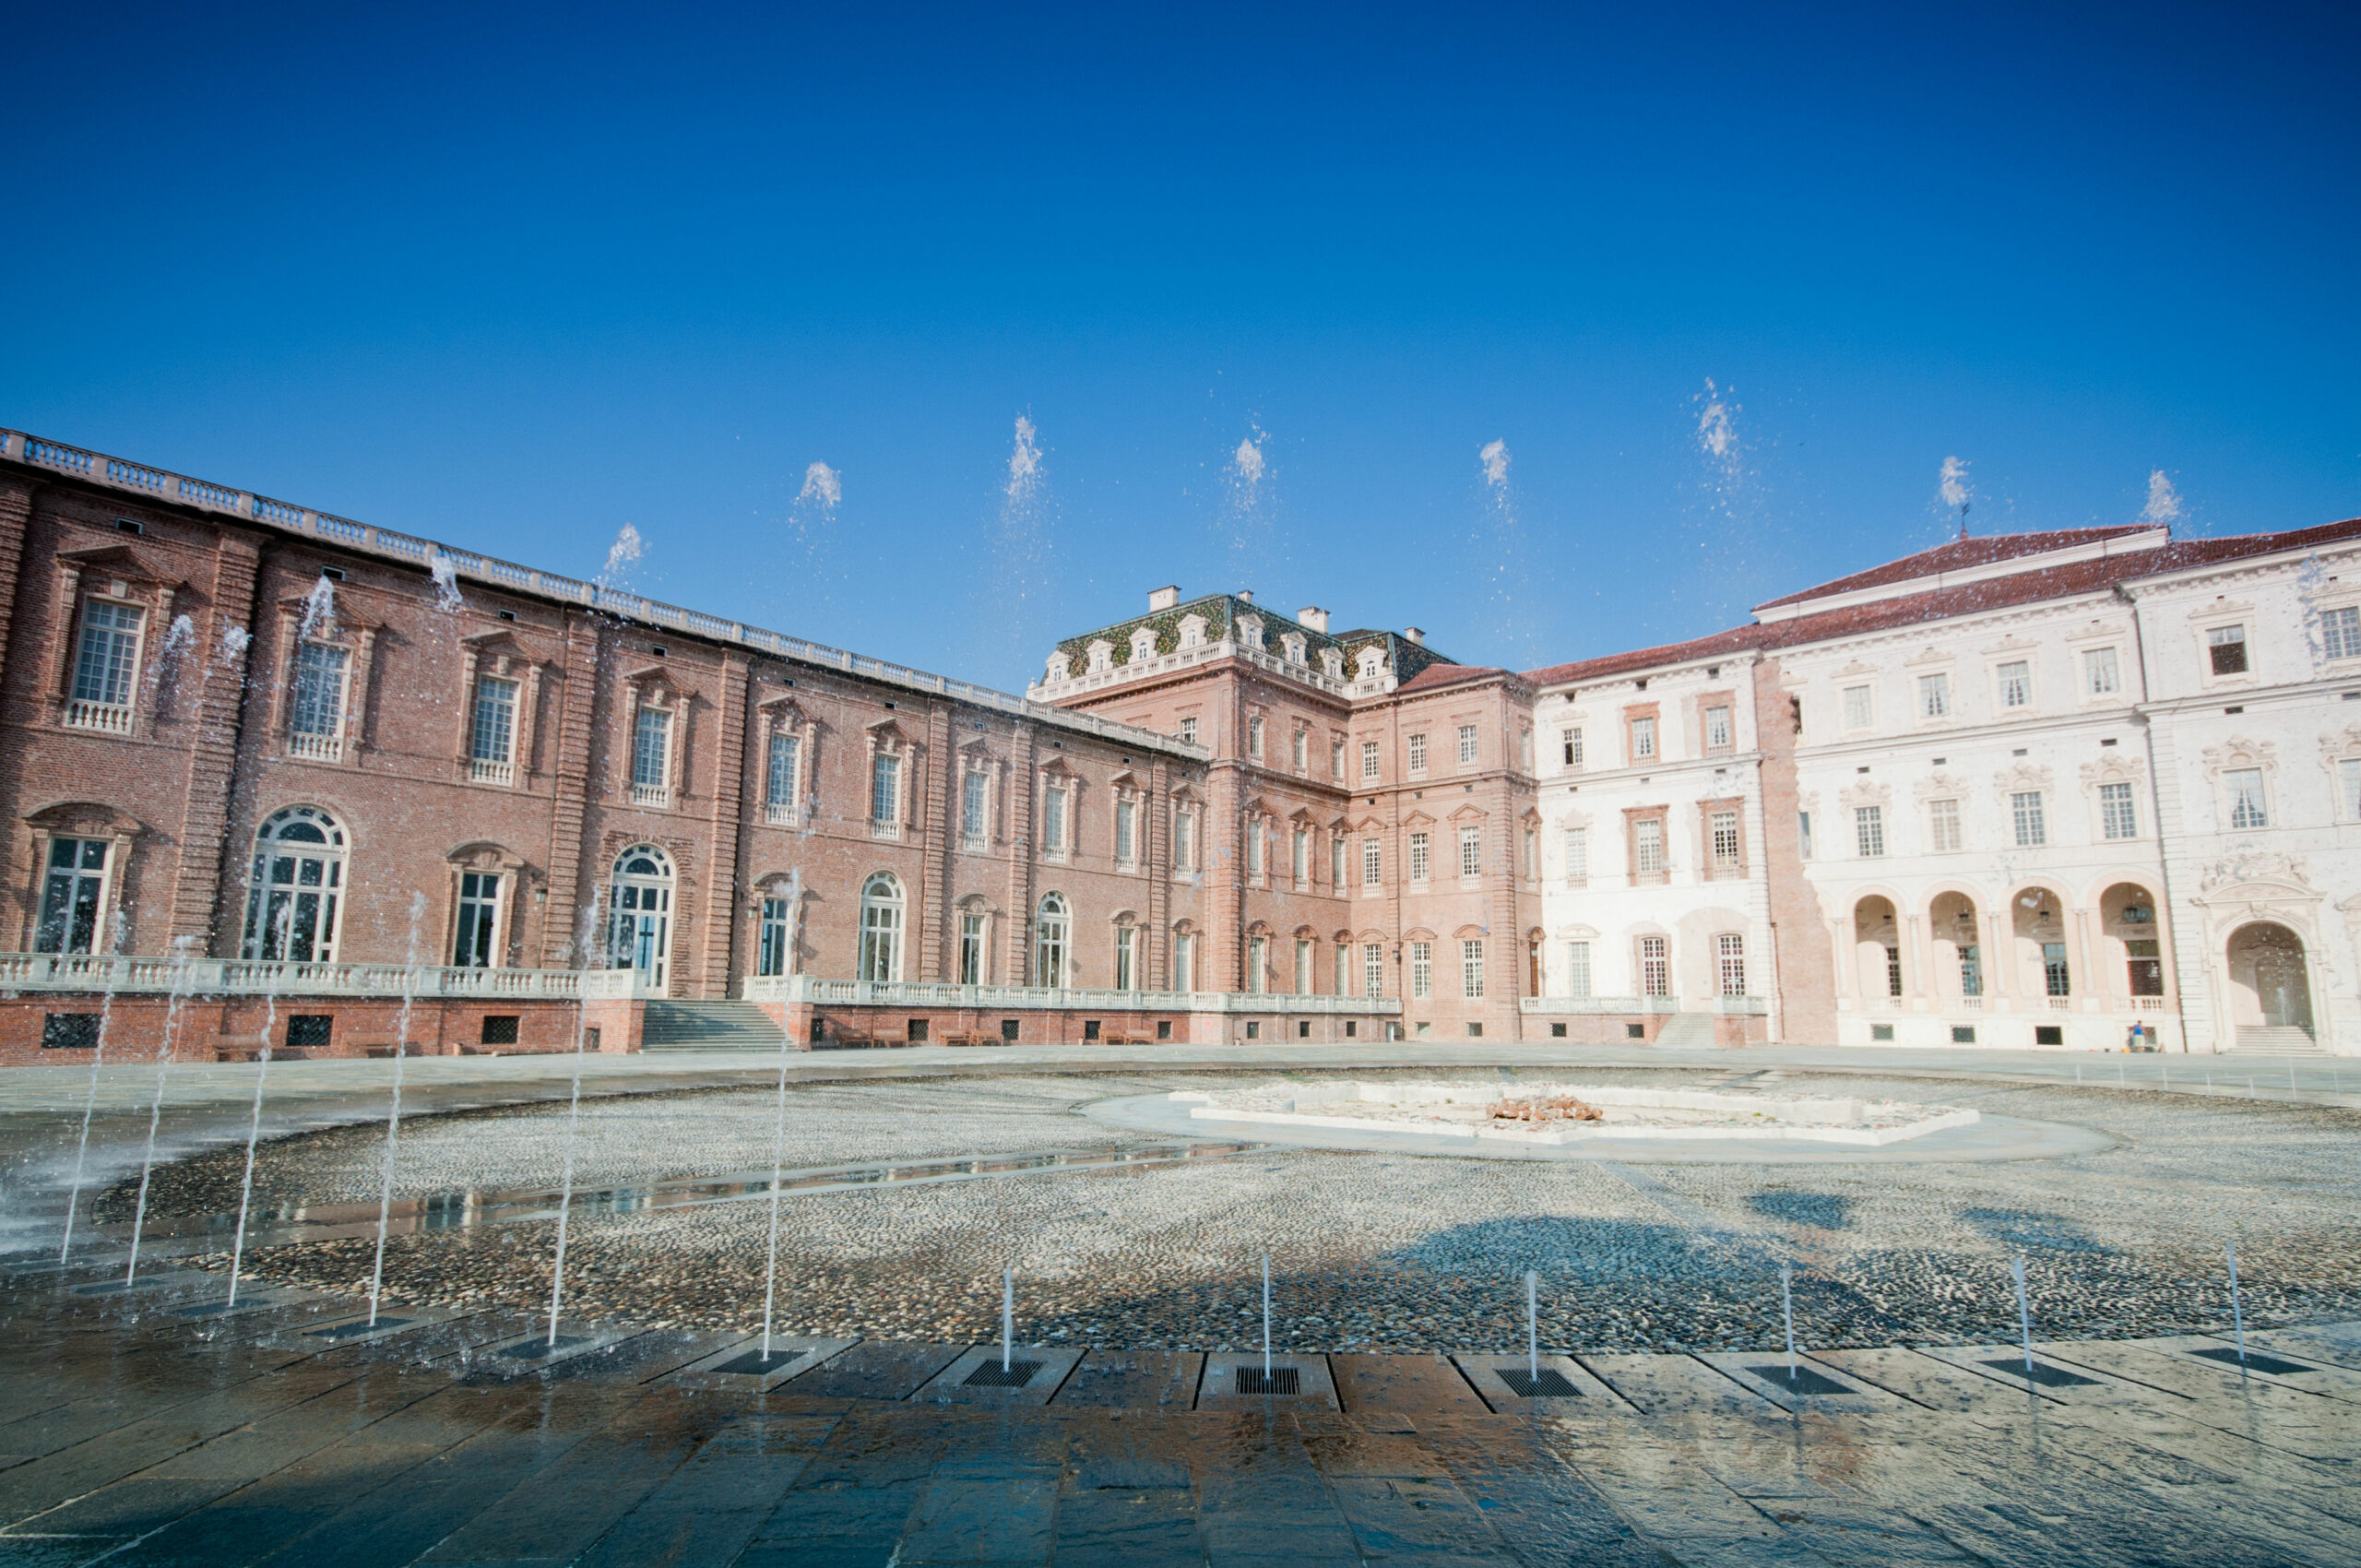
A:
[(1690, 1031), (2275, 1039), (709, 1026)]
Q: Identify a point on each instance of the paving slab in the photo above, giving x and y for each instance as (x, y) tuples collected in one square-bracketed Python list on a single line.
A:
[(1930, 1381), (1233, 1381), (538, 1351), (2006, 1364), (2284, 1368), (1507, 1386), (877, 1368), (1662, 1385), (1430, 1384), (1162, 1380), (975, 1511), (1262, 1503), (708, 1510), (741, 1363), (1811, 1387), (1032, 1376), (2336, 1342)]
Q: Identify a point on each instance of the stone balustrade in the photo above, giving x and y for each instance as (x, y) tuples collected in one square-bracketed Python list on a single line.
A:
[(789, 989)]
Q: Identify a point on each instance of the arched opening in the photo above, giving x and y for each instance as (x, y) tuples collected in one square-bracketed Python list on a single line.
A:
[(298, 886), (1876, 947), (640, 923), (2132, 936), (2270, 981), (1052, 943), (1959, 949), (2037, 924), (881, 929)]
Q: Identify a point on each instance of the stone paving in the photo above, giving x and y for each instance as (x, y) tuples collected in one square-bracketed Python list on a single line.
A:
[(151, 1427)]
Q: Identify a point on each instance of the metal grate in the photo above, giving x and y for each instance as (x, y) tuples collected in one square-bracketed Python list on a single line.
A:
[(2043, 1372), (2270, 1366), (1278, 1380), (533, 1350), (358, 1326), (753, 1364), (1548, 1384), (1017, 1374), (1803, 1379)]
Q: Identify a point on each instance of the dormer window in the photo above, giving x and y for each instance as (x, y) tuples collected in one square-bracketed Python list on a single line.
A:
[(1193, 631), (1250, 631), (1332, 663), (1369, 664), (1293, 642), (1102, 656), (1143, 644)]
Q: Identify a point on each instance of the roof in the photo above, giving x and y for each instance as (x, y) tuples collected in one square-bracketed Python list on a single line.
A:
[(2087, 575), (1435, 675), (1960, 555)]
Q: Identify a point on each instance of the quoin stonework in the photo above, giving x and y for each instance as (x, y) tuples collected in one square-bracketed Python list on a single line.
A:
[(278, 778)]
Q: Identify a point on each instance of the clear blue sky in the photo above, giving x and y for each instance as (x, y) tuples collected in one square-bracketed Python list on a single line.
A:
[(511, 280)]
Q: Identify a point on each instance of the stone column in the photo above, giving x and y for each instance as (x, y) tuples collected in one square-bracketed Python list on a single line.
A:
[(2092, 984), (2000, 956), (1919, 963)]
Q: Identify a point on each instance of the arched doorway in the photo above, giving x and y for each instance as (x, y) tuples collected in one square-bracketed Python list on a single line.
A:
[(1877, 946), (641, 900), (2270, 981), (298, 886), (1951, 924), (1053, 942), (881, 929)]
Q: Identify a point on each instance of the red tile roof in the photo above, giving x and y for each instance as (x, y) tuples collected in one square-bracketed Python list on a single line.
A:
[(1435, 675), (1958, 556), (1968, 598)]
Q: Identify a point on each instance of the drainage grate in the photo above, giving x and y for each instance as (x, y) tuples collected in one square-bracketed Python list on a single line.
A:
[(2043, 1372), (534, 1349), (753, 1364), (991, 1374), (1548, 1384), (1804, 1380), (1278, 1380), (358, 1326), (2270, 1366)]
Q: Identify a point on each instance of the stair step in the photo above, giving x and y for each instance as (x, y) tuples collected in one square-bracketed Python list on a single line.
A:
[(709, 1026)]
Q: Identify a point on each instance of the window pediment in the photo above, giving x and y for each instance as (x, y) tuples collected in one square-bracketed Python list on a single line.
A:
[(120, 560), (1469, 816), (342, 621), (85, 819), (1931, 657), (2022, 778), (1940, 787), (1418, 819), (485, 855)]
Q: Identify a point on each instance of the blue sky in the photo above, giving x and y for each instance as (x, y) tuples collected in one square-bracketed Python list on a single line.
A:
[(513, 280)]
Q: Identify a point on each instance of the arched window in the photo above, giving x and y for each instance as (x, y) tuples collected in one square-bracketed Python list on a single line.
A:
[(641, 923), (1053, 950), (881, 927), (296, 887)]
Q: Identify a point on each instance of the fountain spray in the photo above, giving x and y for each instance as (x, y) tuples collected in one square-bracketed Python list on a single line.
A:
[(2024, 1313), (2237, 1315), (1007, 1312), (1266, 1320), (572, 1120), (173, 1009), (778, 1164), (1532, 1328), (394, 1110), (254, 1128), (1787, 1306), (116, 932)]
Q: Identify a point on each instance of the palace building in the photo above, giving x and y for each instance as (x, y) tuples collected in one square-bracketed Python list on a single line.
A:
[(278, 777)]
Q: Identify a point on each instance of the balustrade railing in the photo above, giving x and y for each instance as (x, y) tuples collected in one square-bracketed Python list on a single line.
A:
[(287, 977), (1018, 998), (107, 718)]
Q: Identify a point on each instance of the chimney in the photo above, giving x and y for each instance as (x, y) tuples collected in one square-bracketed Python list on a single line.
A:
[(1163, 598), (1415, 635), (1245, 595), (1313, 616)]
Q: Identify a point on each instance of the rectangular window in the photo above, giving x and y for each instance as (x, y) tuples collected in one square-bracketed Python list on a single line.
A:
[(778, 777), (1338, 873), (1859, 711), (1643, 738), (1578, 968), (318, 708), (1730, 960), (651, 749), (1718, 729), (1303, 854), (2100, 675), (1868, 831), (1942, 827), (494, 730), (1254, 847), (1127, 940), (2341, 634), (2024, 812), (1467, 745), (1893, 973), (2245, 787), (1344, 968), (71, 896), (1656, 968), (975, 796), (2350, 772), (1471, 968), (1127, 827), (1571, 742), (1422, 968), (1257, 958), (1373, 968), (479, 921), (1054, 819), (1370, 864), (1934, 697), (1471, 852), (1184, 961), (885, 789), (1303, 965), (106, 665), (1336, 758), (1188, 731), (971, 949), (1525, 750), (2117, 819), (2016, 684), (1803, 833), (1368, 758), (1647, 848), (2054, 978), (1532, 854), (1184, 840), (1723, 826), (1577, 848), (2226, 645), (1254, 737), (1302, 750), (1419, 865)]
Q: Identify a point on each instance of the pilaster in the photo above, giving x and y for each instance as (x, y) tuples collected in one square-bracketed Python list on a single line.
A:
[(721, 912), (210, 869), (570, 783)]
